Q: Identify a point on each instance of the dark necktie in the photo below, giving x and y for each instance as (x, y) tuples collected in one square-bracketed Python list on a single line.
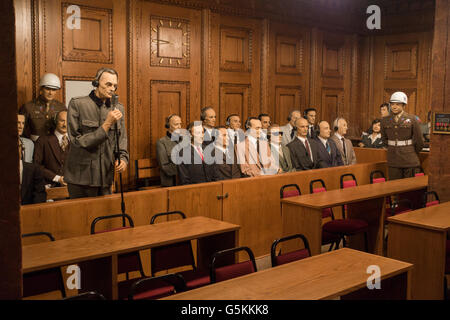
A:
[(64, 143), (328, 148), (257, 147), (343, 147), (235, 138), (292, 133), (308, 150)]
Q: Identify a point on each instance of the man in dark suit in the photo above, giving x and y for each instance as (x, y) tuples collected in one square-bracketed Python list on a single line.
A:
[(32, 183), (310, 115), (50, 151), (326, 148), (226, 158), (195, 166), (208, 117), (303, 150)]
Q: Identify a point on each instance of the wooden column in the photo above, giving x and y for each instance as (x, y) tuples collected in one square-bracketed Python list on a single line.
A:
[(10, 250), (440, 100)]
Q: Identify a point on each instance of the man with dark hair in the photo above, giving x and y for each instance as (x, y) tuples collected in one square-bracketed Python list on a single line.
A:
[(225, 157), (39, 112), (164, 146), (384, 109), (195, 166), (280, 153), (326, 148), (208, 117), (265, 121), (50, 151), (310, 115), (94, 124)]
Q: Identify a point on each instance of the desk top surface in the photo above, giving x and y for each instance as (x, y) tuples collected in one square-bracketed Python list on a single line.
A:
[(364, 192), (324, 276), (67, 251), (435, 217)]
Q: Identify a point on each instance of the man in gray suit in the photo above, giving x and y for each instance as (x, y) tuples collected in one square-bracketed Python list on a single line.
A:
[(26, 145), (344, 145), (279, 152), (92, 122), (164, 146), (289, 130)]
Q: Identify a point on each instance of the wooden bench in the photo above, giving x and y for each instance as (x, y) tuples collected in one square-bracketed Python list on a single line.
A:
[(146, 174)]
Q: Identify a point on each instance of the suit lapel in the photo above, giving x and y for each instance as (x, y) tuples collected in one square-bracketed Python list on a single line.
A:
[(56, 148)]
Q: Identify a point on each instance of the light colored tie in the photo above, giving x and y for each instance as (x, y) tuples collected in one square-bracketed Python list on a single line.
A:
[(64, 143)]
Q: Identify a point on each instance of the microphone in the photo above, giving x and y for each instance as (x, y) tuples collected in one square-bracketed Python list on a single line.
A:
[(114, 101)]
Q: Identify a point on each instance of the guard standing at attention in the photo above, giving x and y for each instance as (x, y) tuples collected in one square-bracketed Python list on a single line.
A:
[(401, 133)]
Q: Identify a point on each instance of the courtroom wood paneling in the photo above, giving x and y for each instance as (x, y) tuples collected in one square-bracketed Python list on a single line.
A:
[(165, 65)]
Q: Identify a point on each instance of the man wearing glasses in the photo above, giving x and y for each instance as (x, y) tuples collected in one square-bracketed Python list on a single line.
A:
[(279, 151)]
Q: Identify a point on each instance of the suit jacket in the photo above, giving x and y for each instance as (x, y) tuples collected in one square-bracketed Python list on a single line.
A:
[(284, 159), (313, 134), (286, 129), (231, 133), (167, 169), (349, 157), (194, 170), (49, 156), (32, 189), (249, 160), (332, 159), (90, 161), (229, 168), (300, 158), (209, 138), (28, 151), (378, 143)]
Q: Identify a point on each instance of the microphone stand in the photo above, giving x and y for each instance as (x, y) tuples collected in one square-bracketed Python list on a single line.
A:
[(114, 101)]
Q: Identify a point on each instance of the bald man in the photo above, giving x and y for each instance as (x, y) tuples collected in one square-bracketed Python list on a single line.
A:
[(303, 150)]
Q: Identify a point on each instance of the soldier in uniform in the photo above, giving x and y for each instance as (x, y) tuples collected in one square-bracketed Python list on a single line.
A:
[(40, 112), (89, 166), (402, 135)]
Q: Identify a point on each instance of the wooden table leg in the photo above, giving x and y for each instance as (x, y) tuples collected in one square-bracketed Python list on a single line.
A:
[(100, 275), (372, 211), (425, 249), (307, 221), (207, 246)]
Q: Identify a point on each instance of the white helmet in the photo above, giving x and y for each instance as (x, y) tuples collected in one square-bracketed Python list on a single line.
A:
[(399, 97), (50, 80)]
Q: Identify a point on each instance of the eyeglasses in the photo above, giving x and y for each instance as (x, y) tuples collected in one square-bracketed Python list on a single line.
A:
[(277, 133)]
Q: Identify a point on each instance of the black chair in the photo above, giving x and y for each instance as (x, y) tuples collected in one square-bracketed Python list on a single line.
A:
[(434, 202), (127, 262), (156, 287), (283, 258), (177, 255), (43, 281), (221, 272), (91, 295), (327, 238), (290, 193)]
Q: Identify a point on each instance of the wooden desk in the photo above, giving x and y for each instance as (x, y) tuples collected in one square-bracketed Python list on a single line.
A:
[(341, 273), (212, 235), (419, 237), (303, 214)]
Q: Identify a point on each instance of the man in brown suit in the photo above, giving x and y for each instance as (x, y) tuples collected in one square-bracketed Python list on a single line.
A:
[(50, 151), (403, 137), (343, 144), (253, 154)]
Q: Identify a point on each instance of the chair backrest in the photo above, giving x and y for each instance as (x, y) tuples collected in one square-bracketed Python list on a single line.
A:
[(173, 255), (43, 281), (91, 295), (223, 273), (113, 216), (327, 212), (127, 262), (156, 287), (289, 193), (382, 178), (146, 169), (290, 256), (434, 202), (348, 183), (419, 174)]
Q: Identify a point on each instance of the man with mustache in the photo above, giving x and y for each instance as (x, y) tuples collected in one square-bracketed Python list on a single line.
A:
[(50, 151)]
